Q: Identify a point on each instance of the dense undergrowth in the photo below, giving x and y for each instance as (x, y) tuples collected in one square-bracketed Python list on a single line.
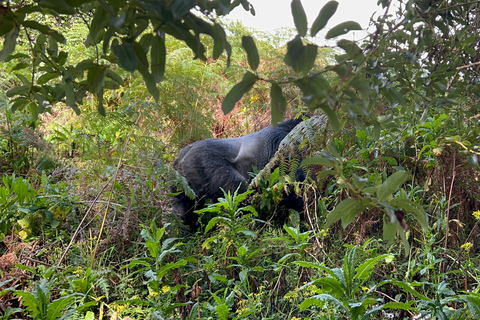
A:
[(87, 231)]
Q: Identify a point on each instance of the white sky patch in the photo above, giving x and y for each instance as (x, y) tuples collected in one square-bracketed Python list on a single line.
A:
[(276, 14)]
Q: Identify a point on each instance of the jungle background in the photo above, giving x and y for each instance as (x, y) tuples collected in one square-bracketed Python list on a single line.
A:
[(98, 97)]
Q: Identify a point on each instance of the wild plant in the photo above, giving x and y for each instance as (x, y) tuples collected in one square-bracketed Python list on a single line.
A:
[(160, 268), (346, 291), (232, 216), (40, 302)]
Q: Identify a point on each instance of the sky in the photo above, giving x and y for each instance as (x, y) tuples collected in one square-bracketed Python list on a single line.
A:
[(274, 14)]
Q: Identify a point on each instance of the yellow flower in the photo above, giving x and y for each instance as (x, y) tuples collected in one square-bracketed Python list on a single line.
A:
[(466, 246), (476, 214), (165, 289), (295, 318), (324, 232), (152, 293)]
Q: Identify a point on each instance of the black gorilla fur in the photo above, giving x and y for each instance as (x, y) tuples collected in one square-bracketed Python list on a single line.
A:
[(211, 164)]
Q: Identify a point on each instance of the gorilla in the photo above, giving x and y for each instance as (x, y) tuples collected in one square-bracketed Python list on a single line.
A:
[(211, 164)]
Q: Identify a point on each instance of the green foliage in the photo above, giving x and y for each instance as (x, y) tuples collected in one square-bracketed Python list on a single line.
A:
[(30, 209), (38, 302), (230, 215), (398, 142), (367, 191), (119, 33), (344, 289), (17, 141), (157, 268)]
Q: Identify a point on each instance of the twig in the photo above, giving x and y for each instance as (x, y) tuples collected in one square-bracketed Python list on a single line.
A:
[(37, 261), (111, 193), (100, 201), (458, 70), (461, 249), (81, 222), (448, 208)]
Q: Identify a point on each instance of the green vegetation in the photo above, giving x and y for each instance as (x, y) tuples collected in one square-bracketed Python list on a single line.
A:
[(97, 97)]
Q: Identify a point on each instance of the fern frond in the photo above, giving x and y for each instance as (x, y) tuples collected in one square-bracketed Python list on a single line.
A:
[(104, 286), (295, 146)]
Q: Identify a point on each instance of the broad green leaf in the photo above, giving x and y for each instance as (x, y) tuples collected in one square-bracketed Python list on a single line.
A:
[(9, 43), (60, 6), (293, 232), (44, 78), (400, 305), (343, 208), (20, 90), (69, 93), (317, 161), (408, 288), (330, 285), (391, 184), (343, 28), (252, 53), (364, 271), (219, 42), (324, 173), (309, 56), (315, 89), (370, 190), (32, 107), (389, 230), (126, 55), (299, 17), (182, 7), (158, 56), (412, 207), (100, 106), (45, 30), (167, 268), (396, 97), (56, 307), (325, 14), (351, 48), (213, 222), (293, 58), (237, 92), (99, 21), (106, 40), (19, 104), (320, 301), (286, 257), (96, 78), (349, 217), (473, 301), (222, 311), (20, 66), (149, 81), (349, 269), (248, 233), (332, 117), (278, 103), (115, 78)]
